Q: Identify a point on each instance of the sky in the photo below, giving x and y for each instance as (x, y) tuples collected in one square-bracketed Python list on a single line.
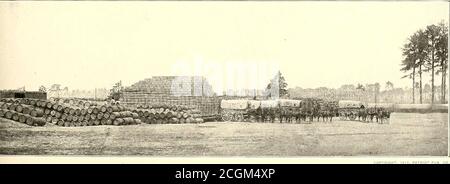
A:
[(86, 45)]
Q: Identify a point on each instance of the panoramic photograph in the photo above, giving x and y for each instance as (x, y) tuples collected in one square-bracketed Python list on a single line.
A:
[(220, 79)]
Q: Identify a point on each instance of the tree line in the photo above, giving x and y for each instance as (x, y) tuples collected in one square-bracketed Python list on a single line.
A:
[(426, 51)]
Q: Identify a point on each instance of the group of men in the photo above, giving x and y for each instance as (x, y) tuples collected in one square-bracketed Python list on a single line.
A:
[(380, 115), (309, 111)]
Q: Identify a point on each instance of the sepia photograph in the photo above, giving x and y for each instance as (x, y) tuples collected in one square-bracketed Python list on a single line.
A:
[(224, 79)]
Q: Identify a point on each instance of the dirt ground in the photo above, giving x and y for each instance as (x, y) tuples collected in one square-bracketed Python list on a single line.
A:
[(407, 134)]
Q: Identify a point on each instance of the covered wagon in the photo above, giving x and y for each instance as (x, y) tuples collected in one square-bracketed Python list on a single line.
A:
[(348, 109), (289, 103), (265, 104), (254, 104), (233, 110)]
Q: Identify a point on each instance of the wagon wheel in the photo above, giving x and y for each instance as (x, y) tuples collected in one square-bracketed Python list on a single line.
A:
[(238, 117), (227, 116), (342, 116), (352, 117)]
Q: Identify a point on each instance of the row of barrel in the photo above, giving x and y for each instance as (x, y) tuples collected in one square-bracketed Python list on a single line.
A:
[(65, 114), (69, 112), (78, 102), (24, 114), (168, 114)]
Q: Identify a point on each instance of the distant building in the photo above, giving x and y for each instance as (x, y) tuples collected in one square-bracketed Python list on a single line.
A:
[(23, 94)]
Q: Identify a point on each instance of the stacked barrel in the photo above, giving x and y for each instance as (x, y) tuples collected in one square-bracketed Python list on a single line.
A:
[(89, 113), (80, 113), (168, 114), (22, 111)]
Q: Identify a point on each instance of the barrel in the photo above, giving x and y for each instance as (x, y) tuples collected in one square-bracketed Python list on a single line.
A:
[(87, 117), (103, 109), (69, 118), (190, 120), (91, 122), (38, 122), (47, 111), (78, 112), (99, 116), (199, 120), (22, 118), (29, 121), (96, 122), (93, 116), (118, 121), (109, 109), (137, 121), (55, 106), (103, 122), (12, 107), (106, 115), (86, 104), (84, 123), (66, 110), (90, 110), (49, 105), (37, 112), (5, 106), (58, 115), (72, 111), (32, 102), (64, 116), (83, 112), (19, 108), (26, 110), (54, 120), (48, 119), (60, 122), (95, 110)]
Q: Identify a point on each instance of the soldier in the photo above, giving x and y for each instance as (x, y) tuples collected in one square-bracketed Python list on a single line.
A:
[(259, 114), (371, 114), (382, 114), (317, 111), (332, 112), (310, 112), (288, 115), (282, 114), (273, 114), (362, 114), (324, 112), (297, 115)]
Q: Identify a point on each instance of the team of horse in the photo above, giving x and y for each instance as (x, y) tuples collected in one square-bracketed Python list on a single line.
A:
[(317, 113)]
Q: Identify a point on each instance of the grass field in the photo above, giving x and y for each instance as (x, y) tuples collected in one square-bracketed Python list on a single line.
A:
[(407, 134)]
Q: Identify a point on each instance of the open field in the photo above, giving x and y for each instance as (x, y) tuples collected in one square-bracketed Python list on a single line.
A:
[(407, 134)]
